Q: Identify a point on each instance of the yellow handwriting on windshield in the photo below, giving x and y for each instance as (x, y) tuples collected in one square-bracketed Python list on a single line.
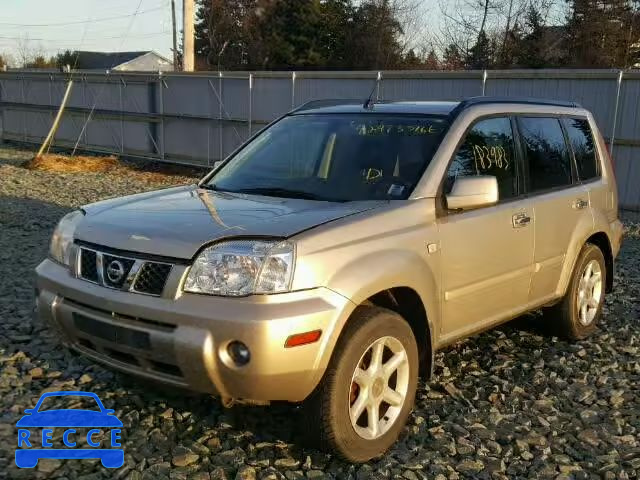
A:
[(490, 157), (382, 129)]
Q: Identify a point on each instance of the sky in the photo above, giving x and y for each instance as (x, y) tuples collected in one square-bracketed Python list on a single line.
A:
[(49, 26)]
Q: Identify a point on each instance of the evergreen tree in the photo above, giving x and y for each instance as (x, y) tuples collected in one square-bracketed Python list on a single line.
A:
[(374, 37), (67, 58), (532, 48), (432, 62), (600, 33), (452, 58), (298, 34), (479, 56)]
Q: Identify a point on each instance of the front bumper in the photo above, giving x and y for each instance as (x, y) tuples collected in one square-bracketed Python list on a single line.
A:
[(182, 339)]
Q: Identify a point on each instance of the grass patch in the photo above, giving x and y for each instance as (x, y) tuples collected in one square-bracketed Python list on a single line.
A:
[(146, 170), (53, 162)]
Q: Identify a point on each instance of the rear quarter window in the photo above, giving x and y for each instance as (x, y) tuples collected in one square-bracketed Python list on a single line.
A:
[(583, 147)]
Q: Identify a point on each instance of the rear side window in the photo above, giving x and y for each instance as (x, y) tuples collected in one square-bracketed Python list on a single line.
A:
[(487, 149), (583, 146), (548, 160)]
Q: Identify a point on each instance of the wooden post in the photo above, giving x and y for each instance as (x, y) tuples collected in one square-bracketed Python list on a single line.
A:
[(56, 122), (176, 66), (188, 40)]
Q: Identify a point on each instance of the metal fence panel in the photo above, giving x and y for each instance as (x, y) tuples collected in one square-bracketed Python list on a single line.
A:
[(36, 90), (271, 97), (104, 134), (201, 118), (14, 123), (138, 97), (308, 89), (627, 169), (191, 97), (103, 95), (187, 139), (11, 89), (235, 97), (69, 130), (430, 88), (628, 125), (597, 95)]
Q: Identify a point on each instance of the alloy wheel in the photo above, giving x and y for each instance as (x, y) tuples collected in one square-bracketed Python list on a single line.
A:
[(379, 387), (589, 293)]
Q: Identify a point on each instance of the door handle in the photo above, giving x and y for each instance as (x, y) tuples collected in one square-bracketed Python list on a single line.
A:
[(520, 220), (579, 204)]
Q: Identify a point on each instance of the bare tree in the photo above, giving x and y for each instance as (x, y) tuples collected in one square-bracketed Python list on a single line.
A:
[(479, 24)]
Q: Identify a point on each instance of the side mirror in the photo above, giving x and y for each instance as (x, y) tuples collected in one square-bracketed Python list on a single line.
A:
[(473, 192)]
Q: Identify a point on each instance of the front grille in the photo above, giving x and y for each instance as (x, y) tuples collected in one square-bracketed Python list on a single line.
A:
[(88, 265), (123, 272), (116, 270), (151, 278)]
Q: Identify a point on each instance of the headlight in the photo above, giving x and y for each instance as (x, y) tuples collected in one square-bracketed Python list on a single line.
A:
[(62, 237), (242, 267)]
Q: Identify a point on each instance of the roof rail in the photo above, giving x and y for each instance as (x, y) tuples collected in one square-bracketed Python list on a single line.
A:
[(468, 102), (328, 102)]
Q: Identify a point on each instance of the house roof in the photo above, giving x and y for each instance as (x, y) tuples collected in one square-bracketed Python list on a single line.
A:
[(106, 60)]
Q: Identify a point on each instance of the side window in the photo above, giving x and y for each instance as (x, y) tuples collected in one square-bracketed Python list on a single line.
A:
[(583, 146), (487, 149), (546, 153)]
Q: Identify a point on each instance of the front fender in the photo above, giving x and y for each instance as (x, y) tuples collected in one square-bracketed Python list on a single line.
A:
[(369, 274)]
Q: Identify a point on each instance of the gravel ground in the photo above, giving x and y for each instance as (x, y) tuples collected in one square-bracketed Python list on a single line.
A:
[(510, 403)]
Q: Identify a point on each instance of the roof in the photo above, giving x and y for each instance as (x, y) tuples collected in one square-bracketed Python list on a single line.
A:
[(356, 106), (421, 107), (106, 60)]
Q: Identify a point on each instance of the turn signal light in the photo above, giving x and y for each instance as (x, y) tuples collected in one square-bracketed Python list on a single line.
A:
[(302, 338)]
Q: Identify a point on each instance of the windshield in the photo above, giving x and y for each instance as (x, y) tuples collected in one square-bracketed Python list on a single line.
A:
[(335, 157)]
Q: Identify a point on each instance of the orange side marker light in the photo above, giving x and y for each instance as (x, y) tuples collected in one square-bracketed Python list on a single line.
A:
[(302, 338)]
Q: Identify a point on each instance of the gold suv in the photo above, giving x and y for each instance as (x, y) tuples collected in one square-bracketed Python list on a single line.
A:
[(332, 254)]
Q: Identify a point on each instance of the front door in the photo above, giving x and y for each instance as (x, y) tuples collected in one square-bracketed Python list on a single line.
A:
[(487, 253)]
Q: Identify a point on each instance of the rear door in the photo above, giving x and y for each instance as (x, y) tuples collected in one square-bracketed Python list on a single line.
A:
[(559, 201)]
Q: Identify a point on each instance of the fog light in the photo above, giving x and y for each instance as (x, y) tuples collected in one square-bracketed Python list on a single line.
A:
[(239, 353)]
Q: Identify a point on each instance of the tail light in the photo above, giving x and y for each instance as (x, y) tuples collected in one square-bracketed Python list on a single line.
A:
[(611, 161)]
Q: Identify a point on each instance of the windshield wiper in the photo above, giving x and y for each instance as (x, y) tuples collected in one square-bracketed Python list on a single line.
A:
[(282, 192), (212, 187)]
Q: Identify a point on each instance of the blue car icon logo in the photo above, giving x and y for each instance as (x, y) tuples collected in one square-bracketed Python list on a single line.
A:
[(100, 421)]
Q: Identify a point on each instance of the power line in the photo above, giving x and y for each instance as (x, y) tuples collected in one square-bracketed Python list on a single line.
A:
[(29, 39), (79, 22), (95, 100)]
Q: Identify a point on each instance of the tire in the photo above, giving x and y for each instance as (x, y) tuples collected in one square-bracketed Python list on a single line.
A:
[(566, 318), (328, 409)]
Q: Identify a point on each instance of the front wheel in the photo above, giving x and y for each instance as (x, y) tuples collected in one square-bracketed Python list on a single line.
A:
[(369, 388)]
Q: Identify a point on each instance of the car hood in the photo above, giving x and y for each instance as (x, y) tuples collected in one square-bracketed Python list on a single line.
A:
[(177, 222), (69, 418)]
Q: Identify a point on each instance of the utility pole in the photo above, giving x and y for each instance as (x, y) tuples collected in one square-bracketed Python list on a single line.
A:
[(188, 40), (175, 36)]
